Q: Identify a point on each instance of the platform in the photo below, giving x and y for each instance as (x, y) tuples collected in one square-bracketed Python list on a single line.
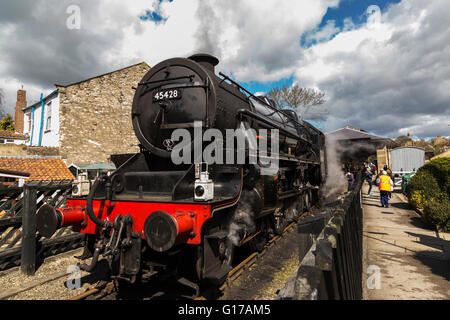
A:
[(411, 258)]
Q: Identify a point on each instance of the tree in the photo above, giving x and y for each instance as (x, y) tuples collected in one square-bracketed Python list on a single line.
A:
[(277, 95), (297, 97), (7, 124), (401, 140)]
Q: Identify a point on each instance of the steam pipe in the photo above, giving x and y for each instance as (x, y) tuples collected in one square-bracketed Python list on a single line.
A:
[(42, 120), (99, 222)]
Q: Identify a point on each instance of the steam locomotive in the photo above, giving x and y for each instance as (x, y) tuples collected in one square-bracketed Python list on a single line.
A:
[(155, 213)]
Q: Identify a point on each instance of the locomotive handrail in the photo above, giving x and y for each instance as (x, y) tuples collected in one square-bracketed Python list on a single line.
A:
[(168, 79), (256, 116), (259, 99)]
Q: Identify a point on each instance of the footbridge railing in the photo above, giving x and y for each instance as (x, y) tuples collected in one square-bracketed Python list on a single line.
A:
[(330, 253), (20, 244)]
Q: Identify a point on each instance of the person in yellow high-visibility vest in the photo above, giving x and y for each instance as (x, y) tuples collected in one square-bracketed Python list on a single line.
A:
[(385, 185)]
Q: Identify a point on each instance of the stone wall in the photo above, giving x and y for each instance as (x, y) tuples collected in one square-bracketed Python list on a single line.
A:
[(19, 150), (43, 151), (13, 150), (95, 116)]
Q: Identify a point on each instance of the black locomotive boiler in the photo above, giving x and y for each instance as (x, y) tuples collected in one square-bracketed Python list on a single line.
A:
[(152, 214)]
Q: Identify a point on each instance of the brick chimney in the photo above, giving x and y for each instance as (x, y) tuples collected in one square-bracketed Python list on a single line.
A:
[(18, 116)]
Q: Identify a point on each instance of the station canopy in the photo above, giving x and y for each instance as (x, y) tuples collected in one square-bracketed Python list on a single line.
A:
[(93, 166), (356, 145)]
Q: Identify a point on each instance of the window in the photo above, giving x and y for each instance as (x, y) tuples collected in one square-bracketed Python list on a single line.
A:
[(49, 116), (9, 141)]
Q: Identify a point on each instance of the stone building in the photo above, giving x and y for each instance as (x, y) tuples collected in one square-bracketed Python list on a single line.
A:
[(11, 137), (88, 120)]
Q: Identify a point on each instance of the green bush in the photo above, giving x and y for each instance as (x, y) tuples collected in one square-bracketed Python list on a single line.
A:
[(440, 170), (438, 213), (421, 189), (429, 190)]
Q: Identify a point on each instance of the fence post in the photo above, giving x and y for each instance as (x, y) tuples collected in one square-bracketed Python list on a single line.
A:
[(28, 258)]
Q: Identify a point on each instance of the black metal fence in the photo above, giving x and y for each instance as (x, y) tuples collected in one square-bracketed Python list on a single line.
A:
[(20, 244), (331, 252)]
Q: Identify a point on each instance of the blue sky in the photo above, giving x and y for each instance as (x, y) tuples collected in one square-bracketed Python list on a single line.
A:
[(154, 15), (354, 9)]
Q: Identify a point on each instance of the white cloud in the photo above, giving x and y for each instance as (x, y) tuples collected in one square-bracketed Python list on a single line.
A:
[(152, 42), (39, 50), (323, 34), (258, 40), (390, 76), (397, 67)]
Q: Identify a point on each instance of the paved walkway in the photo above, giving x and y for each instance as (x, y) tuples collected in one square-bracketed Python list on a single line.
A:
[(411, 259)]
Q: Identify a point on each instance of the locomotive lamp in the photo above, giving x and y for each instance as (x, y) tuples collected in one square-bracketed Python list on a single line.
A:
[(203, 186), (81, 186)]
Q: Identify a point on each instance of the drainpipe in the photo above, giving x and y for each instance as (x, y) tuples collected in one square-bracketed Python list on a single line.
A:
[(42, 120), (32, 125)]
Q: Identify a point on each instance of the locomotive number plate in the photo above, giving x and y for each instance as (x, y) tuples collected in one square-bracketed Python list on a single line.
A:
[(168, 94)]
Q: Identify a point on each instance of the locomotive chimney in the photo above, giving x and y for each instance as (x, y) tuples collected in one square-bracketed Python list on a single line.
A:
[(206, 60)]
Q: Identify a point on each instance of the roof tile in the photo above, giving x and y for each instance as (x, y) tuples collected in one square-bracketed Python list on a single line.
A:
[(11, 134), (39, 169)]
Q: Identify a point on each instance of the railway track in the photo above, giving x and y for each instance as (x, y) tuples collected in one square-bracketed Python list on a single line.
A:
[(107, 290)]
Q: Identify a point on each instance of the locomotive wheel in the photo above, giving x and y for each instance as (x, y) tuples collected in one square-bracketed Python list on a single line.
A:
[(226, 250), (225, 256)]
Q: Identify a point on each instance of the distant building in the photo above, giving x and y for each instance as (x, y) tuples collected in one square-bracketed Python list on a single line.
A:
[(89, 120), (354, 145), (43, 127), (10, 137), (442, 155), (409, 142), (93, 170)]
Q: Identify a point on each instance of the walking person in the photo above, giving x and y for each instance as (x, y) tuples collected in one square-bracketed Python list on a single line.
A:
[(350, 180), (373, 167), (389, 173), (369, 176), (385, 186)]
